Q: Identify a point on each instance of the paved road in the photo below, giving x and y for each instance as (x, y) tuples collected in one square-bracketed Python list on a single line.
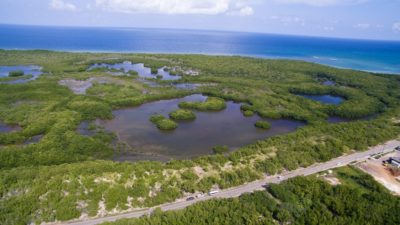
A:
[(252, 186)]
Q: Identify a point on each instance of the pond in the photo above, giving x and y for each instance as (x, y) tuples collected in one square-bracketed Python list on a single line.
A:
[(144, 72), (227, 127), (30, 70), (328, 83), (326, 99), (34, 139), (4, 128)]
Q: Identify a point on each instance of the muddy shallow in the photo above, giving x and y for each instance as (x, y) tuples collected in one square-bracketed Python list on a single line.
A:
[(144, 72), (190, 139)]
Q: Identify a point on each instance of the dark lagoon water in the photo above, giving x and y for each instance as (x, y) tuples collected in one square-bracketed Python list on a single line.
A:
[(326, 99), (228, 127), (377, 56), (34, 71)]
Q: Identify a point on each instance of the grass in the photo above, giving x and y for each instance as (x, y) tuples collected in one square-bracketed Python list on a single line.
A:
[(10, 78)]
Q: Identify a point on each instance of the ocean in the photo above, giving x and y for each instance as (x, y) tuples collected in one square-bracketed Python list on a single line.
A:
[(366, 55)]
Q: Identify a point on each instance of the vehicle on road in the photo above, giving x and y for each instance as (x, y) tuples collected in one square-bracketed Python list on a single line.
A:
[(397, 148), (213, 192), (280, 177), (190, 199)]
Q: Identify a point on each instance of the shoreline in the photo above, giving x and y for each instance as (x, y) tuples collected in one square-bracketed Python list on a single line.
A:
[(307, 59)]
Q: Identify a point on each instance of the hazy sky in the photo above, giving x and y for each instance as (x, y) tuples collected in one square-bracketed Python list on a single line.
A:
[(371, 19)]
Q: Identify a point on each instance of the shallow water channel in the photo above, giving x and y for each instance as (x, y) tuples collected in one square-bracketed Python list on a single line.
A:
[(227, 127), (4, 128), (34, 71)]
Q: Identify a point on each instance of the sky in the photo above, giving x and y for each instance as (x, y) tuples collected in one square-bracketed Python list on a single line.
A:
[(361, 19)]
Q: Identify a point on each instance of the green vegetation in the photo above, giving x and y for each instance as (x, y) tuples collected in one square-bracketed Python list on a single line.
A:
[(301, 200), (154, 70), (211, 104), (133, 73), (17, 73), (263, 124), (220, 149), (8, 79), (163, 123), (182, 114), (166, 124), (67, 174), (248, 113)]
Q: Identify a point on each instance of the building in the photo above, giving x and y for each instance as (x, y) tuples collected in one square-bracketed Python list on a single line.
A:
[(394, 162)]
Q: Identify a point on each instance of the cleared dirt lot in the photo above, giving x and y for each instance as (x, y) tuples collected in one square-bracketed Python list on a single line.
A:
[(382, 173)]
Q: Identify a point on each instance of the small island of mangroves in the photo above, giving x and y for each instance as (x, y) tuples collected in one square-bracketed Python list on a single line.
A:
[(69, 119)]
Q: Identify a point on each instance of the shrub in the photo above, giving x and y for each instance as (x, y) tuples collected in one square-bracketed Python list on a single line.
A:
[(133, 73), (182, 114), (16, 73), (248, 113), (262, 124), (211, 104), (167, 124), (154, 70), (156, 118), (220, 149), (163, 123)]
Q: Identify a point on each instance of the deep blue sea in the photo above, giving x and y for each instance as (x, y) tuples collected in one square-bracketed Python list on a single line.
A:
[(375, 56)]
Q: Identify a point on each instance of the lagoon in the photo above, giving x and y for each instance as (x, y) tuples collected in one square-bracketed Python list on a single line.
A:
[(192, 138)]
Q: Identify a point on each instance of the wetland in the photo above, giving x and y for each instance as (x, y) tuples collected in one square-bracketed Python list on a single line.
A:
[(65, 134)]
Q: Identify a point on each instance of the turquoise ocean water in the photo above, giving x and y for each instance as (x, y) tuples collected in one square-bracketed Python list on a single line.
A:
[(374, 56)]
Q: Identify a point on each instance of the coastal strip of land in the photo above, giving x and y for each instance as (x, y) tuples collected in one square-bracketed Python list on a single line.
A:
[(249, 187)]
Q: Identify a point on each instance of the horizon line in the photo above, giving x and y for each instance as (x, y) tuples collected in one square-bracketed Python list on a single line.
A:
[(204, 30)]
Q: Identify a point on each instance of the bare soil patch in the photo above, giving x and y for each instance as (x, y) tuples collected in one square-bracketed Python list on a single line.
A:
[(381, 173)]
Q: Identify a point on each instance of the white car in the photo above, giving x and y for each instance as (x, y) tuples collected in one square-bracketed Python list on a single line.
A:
[(213, 192)]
